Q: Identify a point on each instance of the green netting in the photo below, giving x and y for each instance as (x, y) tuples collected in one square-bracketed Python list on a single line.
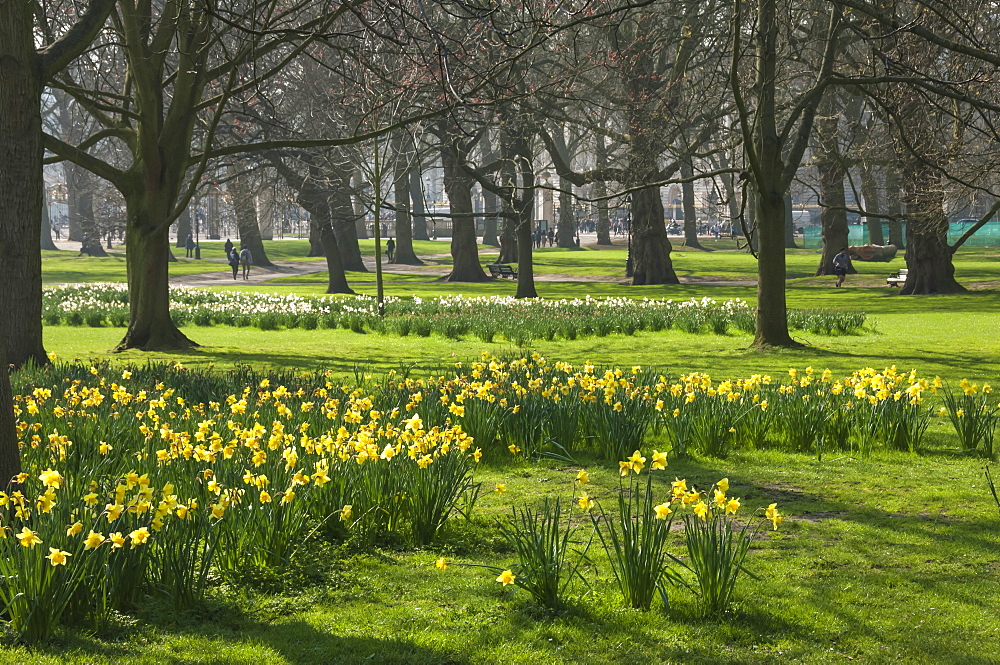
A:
[(988, 236)]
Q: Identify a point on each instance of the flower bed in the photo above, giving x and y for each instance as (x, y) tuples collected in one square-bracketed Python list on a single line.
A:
[(517, 320)]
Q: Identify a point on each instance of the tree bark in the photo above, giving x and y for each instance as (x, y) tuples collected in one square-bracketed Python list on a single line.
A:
[(45, 235), (789, 223), (184, 228), (893, 207), (150, 326), (458, 185), (928, 256), (20, 198), (650, 245), (831, 173), (690, 215), (869, 191), (566, 226), (246, 219), (417, 199), (600, 191), (404, 254), (357, 186), (345, 226)]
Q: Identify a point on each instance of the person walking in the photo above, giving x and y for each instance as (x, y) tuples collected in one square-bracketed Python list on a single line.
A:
[(840, 264), (234, 262), (189, 246), (245, 261), (228, 247), (390, 249)]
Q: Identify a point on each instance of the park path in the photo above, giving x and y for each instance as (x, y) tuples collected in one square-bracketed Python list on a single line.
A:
[(260, 275)]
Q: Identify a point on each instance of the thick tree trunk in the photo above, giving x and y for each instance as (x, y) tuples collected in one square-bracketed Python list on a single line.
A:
[(246, 221), (508, 237), (830, 171), (869, 191), (928, 256), (650, 245), (20, 200), (337, 278), (566, 226), (150, 326), (404, 254), (491, 221), (417, 201), (315, 244), (690, 216), (345, 226), (458, 185), (772, 315)]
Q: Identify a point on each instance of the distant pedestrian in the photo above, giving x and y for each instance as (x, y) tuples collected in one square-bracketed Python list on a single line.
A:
[(234, 262), (840, 264), (189, 246), (55, 228), (390, 249), (228, 247), (245, 261)]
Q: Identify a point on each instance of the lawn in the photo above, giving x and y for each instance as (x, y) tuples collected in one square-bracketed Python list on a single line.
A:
[(883, 559)]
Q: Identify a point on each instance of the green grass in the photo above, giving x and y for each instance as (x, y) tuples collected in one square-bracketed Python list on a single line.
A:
[(884, 560)]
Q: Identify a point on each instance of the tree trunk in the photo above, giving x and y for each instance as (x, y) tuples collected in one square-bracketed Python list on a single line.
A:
[(458, 185), (600, 191), (928, 256), (336, 277), (417, 199), (650, 245), (893, 208), (246, 220), (789, 223), (45, 235), (404, 253), (184, 228), (832, 198), (357, 186), (345, 226), (690, 216), (566, 226), (869, 191), (150, 326), (20, 204), (315, 243)]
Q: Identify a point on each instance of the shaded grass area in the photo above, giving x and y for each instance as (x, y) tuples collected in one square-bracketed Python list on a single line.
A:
[(890, 559)]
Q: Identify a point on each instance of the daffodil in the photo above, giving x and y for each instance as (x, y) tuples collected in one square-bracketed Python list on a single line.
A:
[(139, 536), (732, 506), (51, 478), (723, 485), (772, 514), (28, 538), (637, 461), (585, 502), (93, 540), (74, 529), (659, 460), (500, 488), (441, 563), (662, 511), (117, 540), (506, 577), (346, 512), (57, 557), (583, 477), (701, 510)]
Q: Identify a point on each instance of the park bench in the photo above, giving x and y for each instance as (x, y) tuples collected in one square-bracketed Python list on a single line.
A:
[(502, 270), (897, 278)]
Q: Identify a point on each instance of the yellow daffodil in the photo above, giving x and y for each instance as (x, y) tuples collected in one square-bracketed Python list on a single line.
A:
[(441, 563), (506, 577), (500, 488), (637, 461), (772, 514), (117, 540), (93, 540), (732, 506), (51, 478), (585, 502), (659, 460), (74, 529), (346, 512), (28, 538), (583, 477), (139, 536), (57, 557), (723, 485), (662, 511), (701, 510)]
